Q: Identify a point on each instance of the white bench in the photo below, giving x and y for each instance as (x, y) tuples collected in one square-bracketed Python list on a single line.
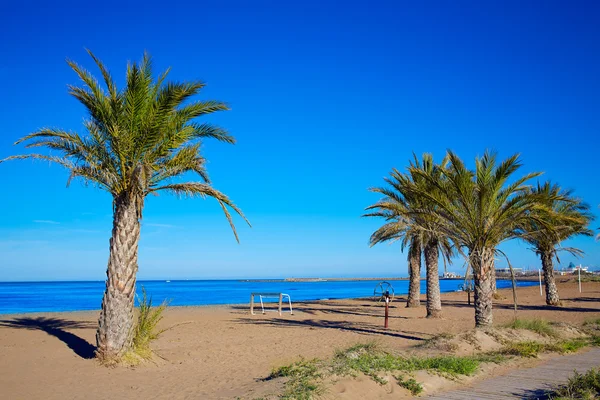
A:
[(262, 296)]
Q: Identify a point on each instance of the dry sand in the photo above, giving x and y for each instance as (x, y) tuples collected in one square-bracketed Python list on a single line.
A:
[(223, 352)]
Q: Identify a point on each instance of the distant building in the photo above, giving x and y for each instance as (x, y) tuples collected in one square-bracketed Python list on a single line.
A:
[(574, 269), (450, 275)]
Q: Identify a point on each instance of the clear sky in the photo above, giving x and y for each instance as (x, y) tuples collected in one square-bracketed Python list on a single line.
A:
[(326, 98)]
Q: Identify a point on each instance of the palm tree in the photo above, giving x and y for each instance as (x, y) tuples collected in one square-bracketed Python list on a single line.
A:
[(139, 140), (478, 210), (393, 208), (568, 216), (417, 231), (435, 241)]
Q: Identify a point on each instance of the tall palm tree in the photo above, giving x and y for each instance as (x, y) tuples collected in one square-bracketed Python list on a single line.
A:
[(435, 241), (478, 210), (419, 230), (394, 208), (567, 216), (139, 140)]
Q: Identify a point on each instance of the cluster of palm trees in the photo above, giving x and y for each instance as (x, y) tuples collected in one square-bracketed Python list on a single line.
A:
[(450, 210), (143, 138)]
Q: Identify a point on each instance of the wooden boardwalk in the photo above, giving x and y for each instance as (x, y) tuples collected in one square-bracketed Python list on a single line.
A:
[(530, 383)]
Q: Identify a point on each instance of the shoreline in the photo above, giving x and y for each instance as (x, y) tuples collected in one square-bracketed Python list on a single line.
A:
[(238, 301), (223, 352)]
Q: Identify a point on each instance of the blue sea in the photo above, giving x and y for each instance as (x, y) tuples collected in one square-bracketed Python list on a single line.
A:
[(27, 297)]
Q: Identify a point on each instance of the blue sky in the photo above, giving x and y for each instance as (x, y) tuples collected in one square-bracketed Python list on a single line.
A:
[(325, 101)]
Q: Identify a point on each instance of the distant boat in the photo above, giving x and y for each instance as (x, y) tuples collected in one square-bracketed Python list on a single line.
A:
[(167, 281)]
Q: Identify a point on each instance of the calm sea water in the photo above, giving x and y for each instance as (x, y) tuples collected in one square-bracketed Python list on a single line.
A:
[(26, 297)]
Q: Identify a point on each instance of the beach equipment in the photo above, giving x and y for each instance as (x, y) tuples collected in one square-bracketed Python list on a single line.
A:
[(262, 296), (384, 291)]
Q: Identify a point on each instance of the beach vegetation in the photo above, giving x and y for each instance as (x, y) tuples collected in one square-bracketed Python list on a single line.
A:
[(372, 360), (529, 348), (584, 386), (146, 328), (532, 348), (304, 379), (410, 384), (537, 325), (139, 140)]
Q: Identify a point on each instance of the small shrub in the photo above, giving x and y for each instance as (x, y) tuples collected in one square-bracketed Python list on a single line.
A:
[(580, 386), (539, 326), (145, 330), (411, 384), (304, 379), (571, 346), (524, 349)]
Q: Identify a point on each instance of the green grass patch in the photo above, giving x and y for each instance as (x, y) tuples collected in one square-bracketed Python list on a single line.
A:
[(527, 348), (531, 348), (371, 361), (572, 345), (411, 384), (304, 379), (539, 326), (580, 386)]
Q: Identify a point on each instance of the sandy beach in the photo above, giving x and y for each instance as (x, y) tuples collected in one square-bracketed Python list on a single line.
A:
[(224, 352)]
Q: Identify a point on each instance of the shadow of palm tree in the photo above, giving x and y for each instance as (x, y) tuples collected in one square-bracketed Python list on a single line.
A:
[(362, 328), (56, 327)]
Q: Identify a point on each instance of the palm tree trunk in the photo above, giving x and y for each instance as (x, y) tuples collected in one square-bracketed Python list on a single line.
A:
[(115, 325), (482, 262), (552, 298), (493, 278), (434, 303), (414, 271)]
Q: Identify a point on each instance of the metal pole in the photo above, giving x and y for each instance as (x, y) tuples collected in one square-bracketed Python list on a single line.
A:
[(579, 278), (387, 302), (540, 275)]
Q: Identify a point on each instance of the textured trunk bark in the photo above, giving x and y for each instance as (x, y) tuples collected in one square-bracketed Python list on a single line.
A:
[(115, 325), (552, 298), (493, 278), (482, 262), (414, 270), (434, 303)]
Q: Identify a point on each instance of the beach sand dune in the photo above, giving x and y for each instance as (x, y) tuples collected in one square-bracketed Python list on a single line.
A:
[(223, 352)]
